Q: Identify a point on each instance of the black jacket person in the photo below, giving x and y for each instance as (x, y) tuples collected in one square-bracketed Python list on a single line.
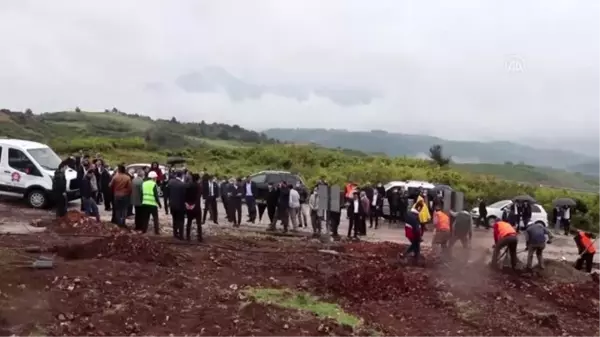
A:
[(223, 190), (236, 194), (59, 190), (271, 202), (177, 190), (210, 192)]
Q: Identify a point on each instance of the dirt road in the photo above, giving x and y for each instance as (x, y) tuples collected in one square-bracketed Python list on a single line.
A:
[(14, 216)]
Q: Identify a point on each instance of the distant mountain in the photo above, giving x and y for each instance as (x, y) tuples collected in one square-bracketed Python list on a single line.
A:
[(396, 144), (591, 168)]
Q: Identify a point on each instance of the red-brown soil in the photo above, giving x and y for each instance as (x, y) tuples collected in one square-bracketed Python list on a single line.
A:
[(120, 283)]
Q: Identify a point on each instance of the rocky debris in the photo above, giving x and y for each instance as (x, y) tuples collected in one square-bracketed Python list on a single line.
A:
[(125, 247)]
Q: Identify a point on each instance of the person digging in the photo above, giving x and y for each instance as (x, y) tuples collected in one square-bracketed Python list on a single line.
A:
[(535, 235), (441, 221), (586, 249), (505, 236)]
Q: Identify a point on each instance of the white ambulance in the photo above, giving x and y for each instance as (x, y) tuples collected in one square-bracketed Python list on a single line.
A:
[(27, 169)]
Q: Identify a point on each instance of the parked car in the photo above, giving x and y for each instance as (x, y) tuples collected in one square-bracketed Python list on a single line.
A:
[(263, 178), (139, 166), (495, 210)]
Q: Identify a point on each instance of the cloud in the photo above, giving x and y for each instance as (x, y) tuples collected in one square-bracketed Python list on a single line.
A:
[(464, 69), (213, 78)]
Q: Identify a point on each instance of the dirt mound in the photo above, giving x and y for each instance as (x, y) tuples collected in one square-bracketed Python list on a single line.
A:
[(127, 247), (75, 222), (563, 272), (377, 282), (385, 250)]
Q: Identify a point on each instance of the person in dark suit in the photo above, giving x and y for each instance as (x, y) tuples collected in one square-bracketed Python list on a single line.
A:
[(271, 202), (376, 202), (236, 192), (177, 189), (250, 193), (354, 212), (192, 206), (210, 191), (283, 207), (394, 202), (224, 188)]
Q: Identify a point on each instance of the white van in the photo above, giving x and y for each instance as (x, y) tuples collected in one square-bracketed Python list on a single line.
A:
[(27, 169)]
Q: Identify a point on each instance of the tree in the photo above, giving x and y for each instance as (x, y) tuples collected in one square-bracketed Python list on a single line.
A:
[(28, 112), (106, 110), (173, 120), (436, 154), (77, 109), (115, 110)]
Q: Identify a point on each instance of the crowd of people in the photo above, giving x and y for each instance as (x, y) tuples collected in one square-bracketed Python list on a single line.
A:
[(192, 197)]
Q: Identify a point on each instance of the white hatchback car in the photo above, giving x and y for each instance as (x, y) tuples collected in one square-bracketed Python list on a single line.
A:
[(495, 210)]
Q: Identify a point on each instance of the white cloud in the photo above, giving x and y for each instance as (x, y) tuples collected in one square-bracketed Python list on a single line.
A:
[(483, 69)]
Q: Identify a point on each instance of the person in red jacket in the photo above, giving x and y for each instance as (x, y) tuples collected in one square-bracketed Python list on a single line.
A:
[(412, 230), (505, 235), (154, 167)]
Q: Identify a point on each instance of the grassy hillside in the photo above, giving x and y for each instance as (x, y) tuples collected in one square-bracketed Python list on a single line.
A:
[(397, 144), (58, 126)]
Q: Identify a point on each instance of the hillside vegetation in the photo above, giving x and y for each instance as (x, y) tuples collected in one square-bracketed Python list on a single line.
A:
[(500, 156), (63, 126), (398, 144), (336, 166), (238, 152)]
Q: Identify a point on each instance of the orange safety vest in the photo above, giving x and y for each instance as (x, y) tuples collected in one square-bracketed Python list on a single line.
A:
[(505, 229), (587, 243), (443, 221)]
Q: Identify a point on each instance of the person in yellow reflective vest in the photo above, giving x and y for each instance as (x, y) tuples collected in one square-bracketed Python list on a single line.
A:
[(424, 215), (150, 203)]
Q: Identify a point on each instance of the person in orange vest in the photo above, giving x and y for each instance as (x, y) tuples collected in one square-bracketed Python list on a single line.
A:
[(586, 248), (441, 221), (505, 235)]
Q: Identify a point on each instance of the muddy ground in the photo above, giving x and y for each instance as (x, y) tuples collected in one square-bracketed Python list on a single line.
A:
[(14, 216), (111, 282)]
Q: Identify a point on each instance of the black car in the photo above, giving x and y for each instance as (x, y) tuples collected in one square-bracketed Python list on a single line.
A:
[(264, 178)]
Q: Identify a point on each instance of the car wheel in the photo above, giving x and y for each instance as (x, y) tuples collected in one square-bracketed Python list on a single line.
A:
[(491, 220), (37, 198)]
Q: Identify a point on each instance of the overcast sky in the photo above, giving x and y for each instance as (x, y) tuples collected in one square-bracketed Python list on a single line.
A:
[(497, 68)]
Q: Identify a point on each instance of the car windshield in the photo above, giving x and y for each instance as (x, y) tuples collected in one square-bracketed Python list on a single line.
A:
[(498, 204), (45, 157)]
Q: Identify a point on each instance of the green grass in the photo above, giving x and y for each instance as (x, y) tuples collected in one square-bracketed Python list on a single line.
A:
[(289, 299)]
